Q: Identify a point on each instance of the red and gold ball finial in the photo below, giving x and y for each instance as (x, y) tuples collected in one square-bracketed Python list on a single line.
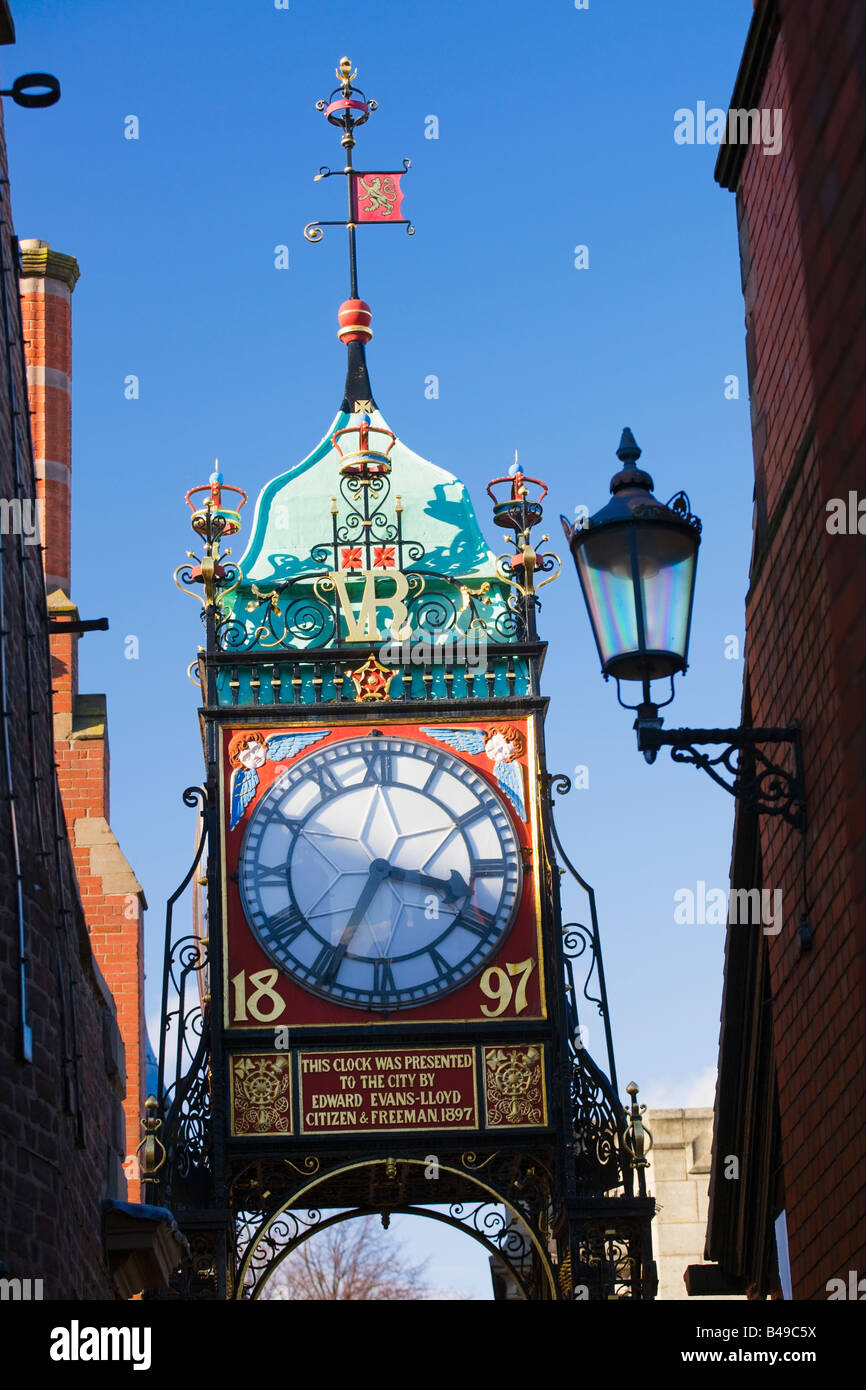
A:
[(355, 316)]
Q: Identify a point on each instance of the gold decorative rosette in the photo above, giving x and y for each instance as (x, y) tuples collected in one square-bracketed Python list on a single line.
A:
[(514, 1086), (261, 1090)]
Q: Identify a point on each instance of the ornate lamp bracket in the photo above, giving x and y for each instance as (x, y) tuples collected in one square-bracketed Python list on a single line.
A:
[(753, 776)]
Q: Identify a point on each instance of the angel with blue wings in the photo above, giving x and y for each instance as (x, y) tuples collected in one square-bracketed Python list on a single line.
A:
[(502, 746), (250, 750)]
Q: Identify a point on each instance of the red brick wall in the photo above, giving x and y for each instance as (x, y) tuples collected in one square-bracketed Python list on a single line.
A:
[(801, 217), (61, 1121), (112, 900)]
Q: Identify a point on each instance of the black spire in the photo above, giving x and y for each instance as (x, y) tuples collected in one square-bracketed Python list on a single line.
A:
[(359, 393)]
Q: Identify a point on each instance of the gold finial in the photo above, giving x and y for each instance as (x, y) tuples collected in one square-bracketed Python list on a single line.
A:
[(154, 1155), (345, 74), (639, 1140)]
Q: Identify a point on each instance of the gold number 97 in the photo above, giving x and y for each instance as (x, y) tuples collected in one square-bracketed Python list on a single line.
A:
[(496, 985)]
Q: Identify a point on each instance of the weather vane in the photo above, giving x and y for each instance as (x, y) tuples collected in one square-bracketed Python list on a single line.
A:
[(374, 196)]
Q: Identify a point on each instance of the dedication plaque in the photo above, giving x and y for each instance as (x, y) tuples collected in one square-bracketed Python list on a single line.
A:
[(388, 1089)]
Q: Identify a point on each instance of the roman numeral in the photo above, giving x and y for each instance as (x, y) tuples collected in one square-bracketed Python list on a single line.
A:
[(284, 926), (485, 918), (383, 978), (476, 920), (276, 877), (328, 783), (488, 868), (433, 773), (440, 964), (379, 768), (327, 963)]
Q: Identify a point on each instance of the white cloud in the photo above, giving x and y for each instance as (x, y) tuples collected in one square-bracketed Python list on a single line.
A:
[(686, 1092)]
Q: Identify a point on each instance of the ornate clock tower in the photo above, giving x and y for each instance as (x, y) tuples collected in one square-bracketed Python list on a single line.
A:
[(377, 1010)]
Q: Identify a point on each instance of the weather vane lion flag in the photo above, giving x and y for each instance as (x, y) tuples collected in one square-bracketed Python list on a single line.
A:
[(377, 197)]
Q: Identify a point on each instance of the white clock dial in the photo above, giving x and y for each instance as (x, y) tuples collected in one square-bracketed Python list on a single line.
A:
[(380, 872)]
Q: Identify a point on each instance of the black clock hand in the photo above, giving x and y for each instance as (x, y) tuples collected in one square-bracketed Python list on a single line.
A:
[(379, 870), (455, 888)]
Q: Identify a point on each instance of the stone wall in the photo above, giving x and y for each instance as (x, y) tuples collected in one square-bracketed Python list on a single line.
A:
[(678, 1177)]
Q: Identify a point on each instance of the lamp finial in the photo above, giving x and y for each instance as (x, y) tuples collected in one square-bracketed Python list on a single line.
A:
[(628, 452)]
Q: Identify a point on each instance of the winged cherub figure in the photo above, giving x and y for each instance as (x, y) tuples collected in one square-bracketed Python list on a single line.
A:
[(503, 746), (249, 750)]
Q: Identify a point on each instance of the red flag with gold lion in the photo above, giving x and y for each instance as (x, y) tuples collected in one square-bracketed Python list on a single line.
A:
[(377, 197)]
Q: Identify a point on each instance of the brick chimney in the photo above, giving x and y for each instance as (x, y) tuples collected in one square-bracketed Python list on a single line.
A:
[(47, 282), (111, 895)]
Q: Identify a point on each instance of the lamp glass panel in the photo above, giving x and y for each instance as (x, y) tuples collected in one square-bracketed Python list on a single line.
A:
[(604, 563), (666, 566)]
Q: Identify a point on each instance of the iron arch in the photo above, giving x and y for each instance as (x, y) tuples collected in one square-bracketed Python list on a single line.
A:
[(514, 1231)]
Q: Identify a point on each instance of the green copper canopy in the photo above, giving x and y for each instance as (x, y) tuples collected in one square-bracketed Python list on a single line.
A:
[(366, 548), (293, 513)]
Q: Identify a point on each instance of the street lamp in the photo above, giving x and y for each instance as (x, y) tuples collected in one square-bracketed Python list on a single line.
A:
[(636, 560)]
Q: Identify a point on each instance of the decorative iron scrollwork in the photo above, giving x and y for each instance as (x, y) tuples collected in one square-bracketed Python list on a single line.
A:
[(509, 1216), (184, 1099), (754, 778), (577, 940), (608, 1261), (304, 611), (367, 539), (600, 1127)]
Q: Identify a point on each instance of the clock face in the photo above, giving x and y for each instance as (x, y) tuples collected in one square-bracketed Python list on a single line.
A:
[(380, 872)]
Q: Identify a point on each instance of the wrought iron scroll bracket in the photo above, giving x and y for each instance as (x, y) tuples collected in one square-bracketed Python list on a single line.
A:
[(742, 767), (577, 936), (180, 1108)]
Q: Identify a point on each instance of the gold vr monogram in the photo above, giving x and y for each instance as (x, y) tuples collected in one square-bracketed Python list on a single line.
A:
[(364, 626)]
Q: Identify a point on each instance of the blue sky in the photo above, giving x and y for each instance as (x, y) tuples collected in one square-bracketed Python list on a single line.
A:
[(555, 130)]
